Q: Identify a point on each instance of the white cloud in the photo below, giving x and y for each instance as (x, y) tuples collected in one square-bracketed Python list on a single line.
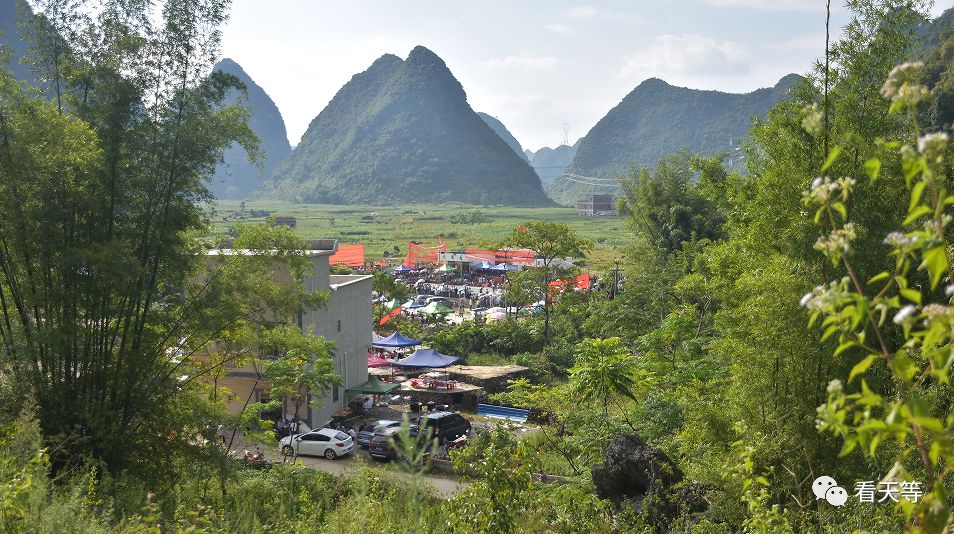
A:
[(811, 42), (583, 12), (560, 29), (775, 5), (521, 63), (589, 12), (685, 58)]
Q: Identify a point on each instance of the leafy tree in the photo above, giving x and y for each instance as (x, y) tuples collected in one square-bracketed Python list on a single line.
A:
[(522, 289), (667, 206), (604, 370), (100, 196), (550, 241), (908, 411), (385, 284)]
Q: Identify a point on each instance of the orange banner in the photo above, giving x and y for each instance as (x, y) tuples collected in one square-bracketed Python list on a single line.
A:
[(392, 315), (580, 282), (348, 256), (418, 255)]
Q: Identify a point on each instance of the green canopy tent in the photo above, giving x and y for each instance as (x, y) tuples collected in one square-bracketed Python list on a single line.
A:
[(374, 386), (435, 308), (445, 268)]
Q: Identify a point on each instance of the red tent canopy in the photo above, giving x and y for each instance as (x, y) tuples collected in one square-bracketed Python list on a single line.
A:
[(348, 256), (376, 361), (580, 282)]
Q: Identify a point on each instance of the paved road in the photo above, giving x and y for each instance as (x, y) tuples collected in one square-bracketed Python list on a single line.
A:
[(446, 485)]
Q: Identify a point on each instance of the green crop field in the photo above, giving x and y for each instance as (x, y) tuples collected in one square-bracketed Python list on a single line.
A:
[(382, 228)]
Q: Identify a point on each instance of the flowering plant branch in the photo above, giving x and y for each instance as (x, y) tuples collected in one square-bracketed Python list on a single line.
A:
[(857, 312)]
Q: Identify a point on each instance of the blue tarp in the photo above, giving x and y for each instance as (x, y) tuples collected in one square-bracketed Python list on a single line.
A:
[(427, 358), (411, 305), (395, 340)]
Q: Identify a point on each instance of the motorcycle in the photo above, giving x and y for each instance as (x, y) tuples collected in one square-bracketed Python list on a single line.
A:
[(255, 460), (448, 446)]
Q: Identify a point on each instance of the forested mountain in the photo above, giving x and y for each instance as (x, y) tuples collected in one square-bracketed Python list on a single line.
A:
[(13, 38), (932, 33), (656, 119), (551, 162), (501, 130), (402, 131), (236, 178)]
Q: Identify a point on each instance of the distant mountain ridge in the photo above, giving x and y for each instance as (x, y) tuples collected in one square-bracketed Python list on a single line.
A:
[(656, 119), (502, 131), (550, 163), (236, 178), (13, 38), (402, 131)]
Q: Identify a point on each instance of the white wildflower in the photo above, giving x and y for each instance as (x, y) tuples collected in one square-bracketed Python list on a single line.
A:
[(825, 298), (901, 241), (814, 120), (932, 145), (821, 190), (837, 243), (806, 299), (835, 387), (906, 70), (899, 80), (936, 311), (904, 314)]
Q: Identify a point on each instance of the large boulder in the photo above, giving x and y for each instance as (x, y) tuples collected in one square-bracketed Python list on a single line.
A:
[(632, 470), (638, 476)]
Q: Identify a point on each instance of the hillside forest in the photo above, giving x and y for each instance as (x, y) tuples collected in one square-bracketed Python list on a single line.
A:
[(777, 322)]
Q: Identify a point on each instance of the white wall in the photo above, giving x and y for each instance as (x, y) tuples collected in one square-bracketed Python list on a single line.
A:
[(346, 320)]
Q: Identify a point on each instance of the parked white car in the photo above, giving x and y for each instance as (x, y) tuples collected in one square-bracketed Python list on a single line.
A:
[(326, 442)]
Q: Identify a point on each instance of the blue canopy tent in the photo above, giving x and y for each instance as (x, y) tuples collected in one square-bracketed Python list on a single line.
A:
[(411, 305), (403, 269), (506, 267), (485, 266), (427, 358), (375, 338), (395, 341)]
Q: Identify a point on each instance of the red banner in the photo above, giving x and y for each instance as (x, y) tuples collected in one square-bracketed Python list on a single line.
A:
[(348, 256), (418, 255), (580, 282), (521, 256), (394, 313)]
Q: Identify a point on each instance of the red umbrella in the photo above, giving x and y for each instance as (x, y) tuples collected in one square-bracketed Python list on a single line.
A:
[(376, 361)]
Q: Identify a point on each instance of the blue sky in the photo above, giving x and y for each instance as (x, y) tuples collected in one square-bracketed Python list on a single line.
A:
[(535, 65)]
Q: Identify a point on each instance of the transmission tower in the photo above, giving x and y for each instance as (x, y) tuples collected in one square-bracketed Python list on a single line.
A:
[(566, 133)]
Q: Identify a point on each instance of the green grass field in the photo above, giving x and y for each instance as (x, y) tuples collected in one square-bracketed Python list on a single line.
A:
[(381, 228)]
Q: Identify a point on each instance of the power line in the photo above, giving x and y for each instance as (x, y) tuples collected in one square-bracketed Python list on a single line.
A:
[(604, 181), (567, 176)]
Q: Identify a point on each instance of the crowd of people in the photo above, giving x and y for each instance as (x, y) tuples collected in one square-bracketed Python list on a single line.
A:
[(470, 290)]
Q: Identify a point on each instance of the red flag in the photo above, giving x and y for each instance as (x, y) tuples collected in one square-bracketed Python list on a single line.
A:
[(394, 313)]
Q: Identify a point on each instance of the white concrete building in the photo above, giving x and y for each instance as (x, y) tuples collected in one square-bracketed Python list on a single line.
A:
[(346, 320)]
